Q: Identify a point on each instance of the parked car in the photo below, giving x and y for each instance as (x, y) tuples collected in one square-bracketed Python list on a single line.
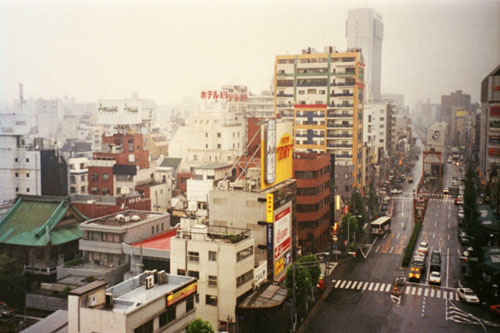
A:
[(423, 247), (435, 278), (414, 274), (495, 309), (467, 295)]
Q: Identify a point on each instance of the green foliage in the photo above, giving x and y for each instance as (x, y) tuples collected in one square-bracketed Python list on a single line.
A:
[(65, 292), (236, 238), (358, 206), (353, 228), (411, 244), (73, 262), (303, 286), (313, 266), (200, 326), (372, 202), (7, 264)]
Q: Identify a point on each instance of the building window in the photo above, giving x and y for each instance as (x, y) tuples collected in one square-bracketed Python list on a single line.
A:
[(15, 160), (219, 146), (28, 190), (194, 274), (244, 278), (189, 304), (193, 256), (181, 272), (118, 190), (72, 190), (17, 174), (105, 177), (145, 328), (206, 135), (27, 160), (82, 165), (95, 177), (82, 178), (72, 179), (210, 300), (219, 134), (212, 256), (17, 189), (167, 316), (212, 281), (244, 253), (153, 229), (195, 157), (94, 190), (82, 189), (105, 190)]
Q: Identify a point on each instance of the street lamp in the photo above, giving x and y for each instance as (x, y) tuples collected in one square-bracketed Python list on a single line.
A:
[(348, 226)]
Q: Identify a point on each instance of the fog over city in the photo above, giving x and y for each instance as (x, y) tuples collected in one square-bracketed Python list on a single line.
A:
[(170, 50)]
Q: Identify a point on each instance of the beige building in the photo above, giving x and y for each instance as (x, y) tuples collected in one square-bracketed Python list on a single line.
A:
[(150, 302)]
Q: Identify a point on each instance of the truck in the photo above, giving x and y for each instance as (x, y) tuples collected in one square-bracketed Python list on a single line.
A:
[(435, 261)]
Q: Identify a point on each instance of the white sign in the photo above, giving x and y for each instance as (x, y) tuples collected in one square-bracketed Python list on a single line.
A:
[(282, 232), (260, 274), (271, 151)]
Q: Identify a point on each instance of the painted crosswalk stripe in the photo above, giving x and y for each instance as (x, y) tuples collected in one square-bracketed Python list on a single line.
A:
[(337, 284), (371, 286), (376, 287), (426, 292), (348, 285), (419, 293), (365, 285), (388, 288), (451, 296), (354, 284), (438, 293), (360, 285), (445, 294), (413, 289), (343, 284), (432, 292)]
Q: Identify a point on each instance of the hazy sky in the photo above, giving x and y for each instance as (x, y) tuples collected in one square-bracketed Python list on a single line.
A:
[(168, 50)]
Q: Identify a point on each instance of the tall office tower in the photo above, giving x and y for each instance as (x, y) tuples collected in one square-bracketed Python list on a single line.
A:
[(323, 94), (449, 105), (365, 30)]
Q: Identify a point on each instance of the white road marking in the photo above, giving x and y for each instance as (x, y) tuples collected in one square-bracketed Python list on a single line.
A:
[(378, 247), (360, 285), (348, 285), (343, 284), (426, 292), (432, 292), (365, 285), (392, 248), (337, 284), (451, 296), (438, 293), (435, 224), (371, 286), (445, 294), (433, 235), (447, 265), (388, 288), (413, 289), (419, 293), (399, 234), (448, 236), (402, 225), (376, 286), (354, 284), (385, 235)]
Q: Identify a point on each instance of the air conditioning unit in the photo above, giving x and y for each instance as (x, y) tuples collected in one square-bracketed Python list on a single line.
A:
[(92, 300), (150, 281)]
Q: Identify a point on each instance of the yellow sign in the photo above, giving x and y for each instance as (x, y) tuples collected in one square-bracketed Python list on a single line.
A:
[(181, 294), (282, 163), (269, 207), (460, 113), (279, 265)]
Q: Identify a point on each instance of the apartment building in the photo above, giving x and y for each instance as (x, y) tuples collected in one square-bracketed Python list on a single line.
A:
[(322, 93), (78, 175)]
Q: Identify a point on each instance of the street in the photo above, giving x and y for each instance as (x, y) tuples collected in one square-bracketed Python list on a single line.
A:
[(360, 300)]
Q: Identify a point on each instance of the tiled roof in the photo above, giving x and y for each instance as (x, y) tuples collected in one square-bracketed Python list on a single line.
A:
[(34, 222), (171, 162)]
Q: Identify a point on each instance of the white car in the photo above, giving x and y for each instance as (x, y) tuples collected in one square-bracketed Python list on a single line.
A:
[(467, 295), (396, 191), (435, 278), (424, 247)]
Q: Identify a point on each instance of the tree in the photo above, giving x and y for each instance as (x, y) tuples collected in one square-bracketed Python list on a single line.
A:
[(350, 230), (372, 202), (313, 266), (358, 206), (200, 326), (303, 286)]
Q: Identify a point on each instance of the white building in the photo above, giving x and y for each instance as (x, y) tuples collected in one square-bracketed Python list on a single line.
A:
[(20, 168), (78, 175), (223, 265), (436, 137), (150, 302), (261, 105), (213, 135), (50, 115), (205, 179), (375, 134), (365, 30)]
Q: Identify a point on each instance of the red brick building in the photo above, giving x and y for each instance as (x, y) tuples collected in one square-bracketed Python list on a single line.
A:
[(93, 206), (312, 172)]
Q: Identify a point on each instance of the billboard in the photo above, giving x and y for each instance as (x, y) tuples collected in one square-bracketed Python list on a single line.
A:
[(495, 111), (276, 153), (282, 237), (495, 139), (119, 112), (494, 152)]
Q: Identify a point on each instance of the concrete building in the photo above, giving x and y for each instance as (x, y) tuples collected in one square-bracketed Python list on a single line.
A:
[(365, 31), (150, 302), (78, 175), (213, 135), (94, 206), (156, 143), (222, 259), (449, 104), (377, 129), (323, 94), (261, 105), (436, 137), (312, 172), (489, 151), (49, 116), (204, 180)]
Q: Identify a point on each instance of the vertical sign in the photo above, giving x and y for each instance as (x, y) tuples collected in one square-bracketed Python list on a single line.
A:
[(269, 237), (269, 207), (271, 151)]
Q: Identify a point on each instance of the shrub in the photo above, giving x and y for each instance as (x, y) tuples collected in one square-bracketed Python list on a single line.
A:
[(411, 244), (74, 262)]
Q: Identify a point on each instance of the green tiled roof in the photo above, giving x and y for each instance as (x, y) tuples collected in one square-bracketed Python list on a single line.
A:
[(34, 222)]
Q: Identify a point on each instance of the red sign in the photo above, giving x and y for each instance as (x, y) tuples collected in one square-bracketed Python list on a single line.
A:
[(493, 151), (495, 111), (213, 94)]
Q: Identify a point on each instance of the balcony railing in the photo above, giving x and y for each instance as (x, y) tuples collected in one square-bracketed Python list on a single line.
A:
[(343, 95), (339, 145), (339, 115), (284, 95), (344, 73), (339, 136), (345, 84), (339, 125), (343, 156)]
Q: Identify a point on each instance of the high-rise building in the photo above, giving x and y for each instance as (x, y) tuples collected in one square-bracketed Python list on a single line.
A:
[(449, 105), (489, 150), (365, 30), (323, 94)]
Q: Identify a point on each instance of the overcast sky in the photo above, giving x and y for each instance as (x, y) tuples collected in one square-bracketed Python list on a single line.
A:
[(168, 50)]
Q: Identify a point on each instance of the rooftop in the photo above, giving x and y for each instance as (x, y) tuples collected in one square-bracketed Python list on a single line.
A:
[(124, 218), (158, 242), (214, 166)]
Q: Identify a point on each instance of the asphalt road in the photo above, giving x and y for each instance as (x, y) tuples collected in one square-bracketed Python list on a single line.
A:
[(360, 300)]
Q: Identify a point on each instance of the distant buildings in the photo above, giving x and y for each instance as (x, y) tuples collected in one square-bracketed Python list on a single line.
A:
[(323, 93), (365, 31), (489, 151), (449, 105)]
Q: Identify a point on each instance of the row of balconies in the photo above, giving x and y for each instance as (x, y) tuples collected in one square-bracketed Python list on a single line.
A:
[(339, 125)]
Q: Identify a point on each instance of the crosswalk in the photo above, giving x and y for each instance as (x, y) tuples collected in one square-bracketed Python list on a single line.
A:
[(413, 290), (431, 197)]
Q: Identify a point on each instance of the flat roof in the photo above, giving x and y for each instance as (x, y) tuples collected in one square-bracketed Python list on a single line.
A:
[(56, 322), (110, 220), (213, 166), (158, 242), (269, 296), (88, 288)]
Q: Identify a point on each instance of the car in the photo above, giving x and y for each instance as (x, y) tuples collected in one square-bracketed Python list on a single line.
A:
[(435, 278), (414, 274), (410, 179), (446, 191), (495, 309), (467, 295), (460, 215), (423, 247), (396, 191)]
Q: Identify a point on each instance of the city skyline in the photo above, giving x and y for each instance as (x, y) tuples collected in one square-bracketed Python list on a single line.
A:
[(169, 51)]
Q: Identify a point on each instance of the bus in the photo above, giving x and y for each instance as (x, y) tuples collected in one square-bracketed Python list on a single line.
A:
[(381, 225)]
